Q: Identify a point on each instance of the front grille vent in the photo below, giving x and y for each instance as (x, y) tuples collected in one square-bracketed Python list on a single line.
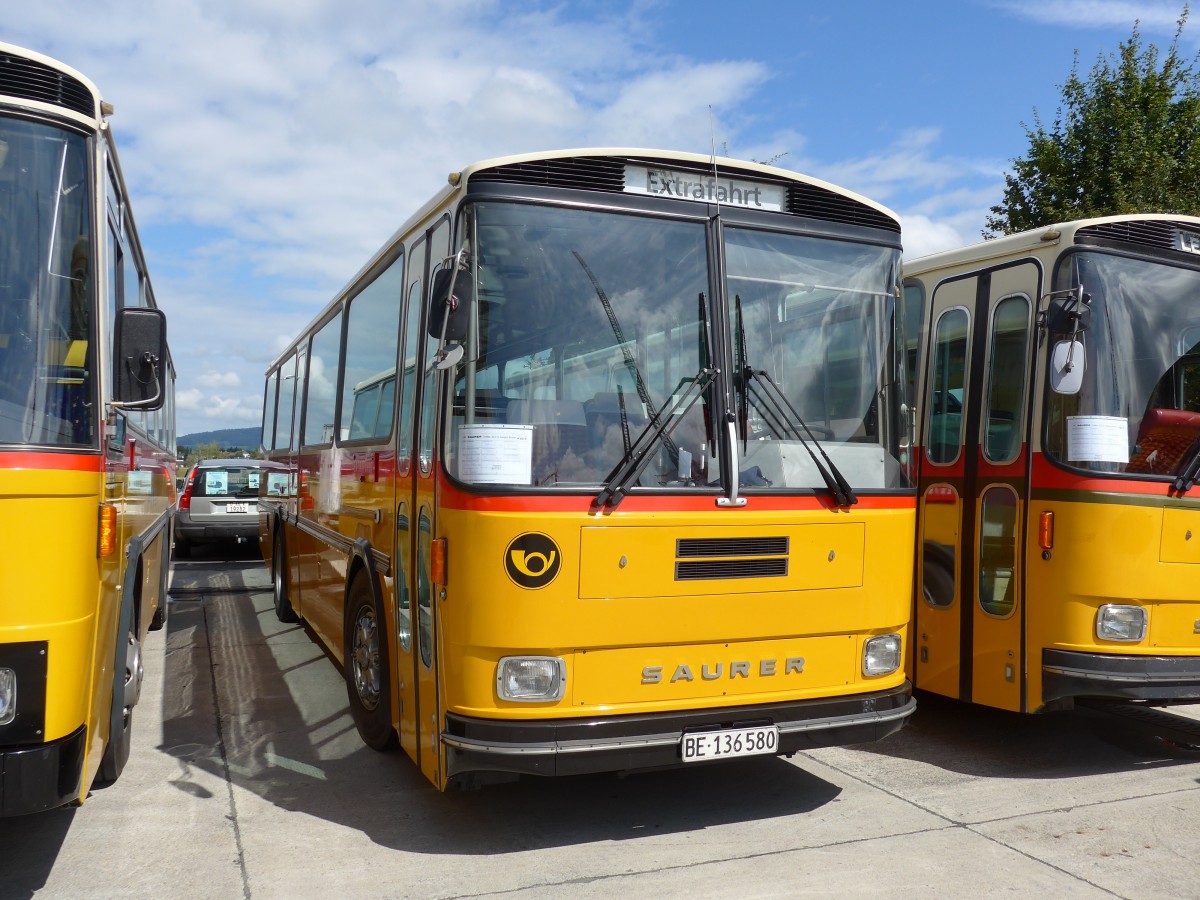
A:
[(33, 80), (706, 559), (710, 569), (1149, 233), (585, 173), (768, 546), (606, 173), (819, 203)]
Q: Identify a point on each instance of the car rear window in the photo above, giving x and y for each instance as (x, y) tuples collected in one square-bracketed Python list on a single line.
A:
[(227, 481)]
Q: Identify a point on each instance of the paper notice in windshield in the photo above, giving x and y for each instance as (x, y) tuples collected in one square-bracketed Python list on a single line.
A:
[(496, 454), (1097, 439)]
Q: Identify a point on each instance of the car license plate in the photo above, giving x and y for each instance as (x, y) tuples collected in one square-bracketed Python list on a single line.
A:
[(730, 742), (237, 507)]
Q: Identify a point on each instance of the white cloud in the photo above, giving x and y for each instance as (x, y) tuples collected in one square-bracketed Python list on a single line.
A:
[(219, 380), (1097, 13), (272, 145)]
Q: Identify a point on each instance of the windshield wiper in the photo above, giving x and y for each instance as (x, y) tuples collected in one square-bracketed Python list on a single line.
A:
[(773, 403), (1189, 470), (661, 424)]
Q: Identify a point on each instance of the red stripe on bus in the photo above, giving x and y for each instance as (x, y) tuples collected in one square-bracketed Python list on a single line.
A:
[(70, 462), (1046, 475)]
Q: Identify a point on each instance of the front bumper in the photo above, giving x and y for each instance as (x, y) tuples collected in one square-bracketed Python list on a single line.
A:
[(623, 743), (33, 779), (1168, 679)]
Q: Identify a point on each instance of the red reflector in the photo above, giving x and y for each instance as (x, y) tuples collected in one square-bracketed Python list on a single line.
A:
[(941, 493)]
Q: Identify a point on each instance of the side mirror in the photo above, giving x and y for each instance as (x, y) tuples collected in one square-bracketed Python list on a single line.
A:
[(1066, 367), (451, 309), (139, 358)]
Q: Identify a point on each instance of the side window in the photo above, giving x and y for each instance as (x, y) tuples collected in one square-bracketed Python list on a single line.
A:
[(1007, 374), (439, 244), (301, 375), (287, 399), (408, 359), (372, 333), (998, 551), (946, 385), (320, 399), (270, 398)]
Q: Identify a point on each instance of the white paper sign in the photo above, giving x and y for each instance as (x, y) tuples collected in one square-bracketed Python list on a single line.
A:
[(496, 454), (1097, 439)]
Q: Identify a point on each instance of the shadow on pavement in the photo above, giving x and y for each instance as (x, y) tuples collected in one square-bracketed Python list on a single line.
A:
[(993, 743), (29, 846)]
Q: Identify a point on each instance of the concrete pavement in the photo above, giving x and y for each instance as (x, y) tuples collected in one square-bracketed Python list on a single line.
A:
[(247, 779)]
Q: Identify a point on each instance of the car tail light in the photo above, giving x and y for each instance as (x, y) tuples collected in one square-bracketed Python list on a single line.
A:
[(185, 499)]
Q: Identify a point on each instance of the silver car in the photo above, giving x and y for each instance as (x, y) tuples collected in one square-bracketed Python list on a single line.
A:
[(219, 502)]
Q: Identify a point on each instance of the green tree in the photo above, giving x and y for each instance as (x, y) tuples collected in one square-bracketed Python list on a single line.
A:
[(1125, 140)]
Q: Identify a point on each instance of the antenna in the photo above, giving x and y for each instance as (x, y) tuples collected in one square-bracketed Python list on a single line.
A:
[(712, 132)]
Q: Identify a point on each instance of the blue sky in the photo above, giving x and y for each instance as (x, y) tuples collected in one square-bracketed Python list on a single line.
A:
[(272, 145)]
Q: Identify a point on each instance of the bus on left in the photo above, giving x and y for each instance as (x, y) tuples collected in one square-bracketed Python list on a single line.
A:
[(87, 435)]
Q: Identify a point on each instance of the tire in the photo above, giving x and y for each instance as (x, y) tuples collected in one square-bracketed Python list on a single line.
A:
[(116, 754), (284, 611), (366, 667)]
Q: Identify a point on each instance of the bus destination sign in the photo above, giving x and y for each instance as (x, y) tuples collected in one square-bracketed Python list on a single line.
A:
[(704, 188)]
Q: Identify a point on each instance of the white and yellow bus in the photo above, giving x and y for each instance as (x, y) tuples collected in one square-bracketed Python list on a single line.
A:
[(1059, 545), (596, 465), (86, 442)]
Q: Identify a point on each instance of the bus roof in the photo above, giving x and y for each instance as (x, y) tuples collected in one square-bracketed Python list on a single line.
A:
[(1025, 242), (457, 182)]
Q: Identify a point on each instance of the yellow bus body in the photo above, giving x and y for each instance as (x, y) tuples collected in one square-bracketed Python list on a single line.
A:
[(86, 490), (1081, 585), (690, 633)]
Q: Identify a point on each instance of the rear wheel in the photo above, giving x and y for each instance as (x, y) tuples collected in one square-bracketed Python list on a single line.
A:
[(366, 666), (283, 604)]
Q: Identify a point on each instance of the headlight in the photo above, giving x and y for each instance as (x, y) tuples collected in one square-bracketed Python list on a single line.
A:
[(881, 655), (531, 679), (1121, 623), (8, 696)]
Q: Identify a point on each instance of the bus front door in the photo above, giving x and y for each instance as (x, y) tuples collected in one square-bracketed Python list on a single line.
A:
[(974, 487)]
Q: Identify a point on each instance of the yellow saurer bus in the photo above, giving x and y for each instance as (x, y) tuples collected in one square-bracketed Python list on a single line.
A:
[(596, 465), (86, 442), (1059, 520)]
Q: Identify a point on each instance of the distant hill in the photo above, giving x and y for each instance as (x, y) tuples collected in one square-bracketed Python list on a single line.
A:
[(243, 438)]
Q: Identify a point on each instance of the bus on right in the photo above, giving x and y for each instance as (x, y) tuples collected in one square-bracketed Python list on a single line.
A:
[(1058, 418)]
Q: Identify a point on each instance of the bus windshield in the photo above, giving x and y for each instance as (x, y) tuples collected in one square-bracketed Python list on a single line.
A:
[(810, 321), (592, 327), (46, 355), (1136, 410)]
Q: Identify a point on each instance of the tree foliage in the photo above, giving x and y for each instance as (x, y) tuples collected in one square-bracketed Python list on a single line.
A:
[(1125, 140)]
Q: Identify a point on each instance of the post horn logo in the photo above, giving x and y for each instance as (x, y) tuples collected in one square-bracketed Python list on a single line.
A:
[(532, 560)]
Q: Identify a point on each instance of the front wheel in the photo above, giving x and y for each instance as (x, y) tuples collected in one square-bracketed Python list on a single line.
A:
[(116, 754), (284, 610), (366, 667)]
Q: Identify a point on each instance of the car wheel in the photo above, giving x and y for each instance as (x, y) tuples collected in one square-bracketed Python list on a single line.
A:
[(366, 668)]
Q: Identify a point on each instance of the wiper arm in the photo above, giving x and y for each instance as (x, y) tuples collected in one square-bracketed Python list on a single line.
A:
[(661, 424), (773, 401), (1189, 470)]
